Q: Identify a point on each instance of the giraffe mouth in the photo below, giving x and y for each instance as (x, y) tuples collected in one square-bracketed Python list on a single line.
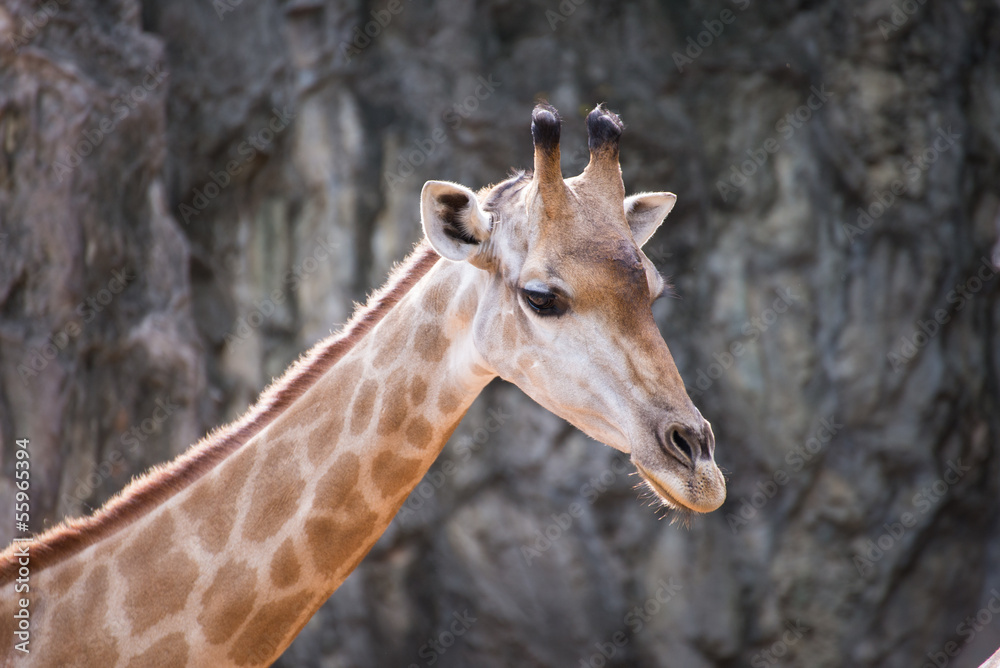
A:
[(661, 491), (705, 489)]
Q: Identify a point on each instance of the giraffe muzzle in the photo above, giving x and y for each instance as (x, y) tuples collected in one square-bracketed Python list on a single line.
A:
[(680, 468)]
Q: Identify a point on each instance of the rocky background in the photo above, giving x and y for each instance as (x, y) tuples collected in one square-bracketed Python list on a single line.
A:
[(193, 192)]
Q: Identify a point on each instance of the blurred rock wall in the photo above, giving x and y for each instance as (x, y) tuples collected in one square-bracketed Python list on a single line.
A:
[(191, 193)]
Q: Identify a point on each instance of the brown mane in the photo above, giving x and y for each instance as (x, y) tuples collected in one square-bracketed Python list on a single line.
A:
[(163, 481)]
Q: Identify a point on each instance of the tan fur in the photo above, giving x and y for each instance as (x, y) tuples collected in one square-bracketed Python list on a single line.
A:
[(169, 651)]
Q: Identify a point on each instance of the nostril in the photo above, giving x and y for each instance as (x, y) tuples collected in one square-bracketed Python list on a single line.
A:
[(681, 444)]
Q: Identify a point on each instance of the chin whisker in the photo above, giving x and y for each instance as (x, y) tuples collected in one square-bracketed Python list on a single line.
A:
[(664, 508), (681, 517)]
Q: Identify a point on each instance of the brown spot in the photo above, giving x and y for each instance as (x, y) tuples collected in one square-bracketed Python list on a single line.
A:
[(323, 438), (79, 624), (337, 484), (212, 504), (8, 625), (437, 297), (336, 392), (106, 551), (332, 542), (448, 402), (95, 591), (394, 474), (334, 403), (430, 342), (65, 577), (361, 413), (470, 301), (418, 390), (285, 568), (167, 652), (276, 493), (510, 336), (269, 629), (302, 413), (228, 601), (355, 506), (158, 573), (394, 406), (89, 636), (393, 337), (419, 432)]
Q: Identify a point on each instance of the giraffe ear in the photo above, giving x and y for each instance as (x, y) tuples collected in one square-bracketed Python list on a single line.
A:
[(645, 211), (452, 219)]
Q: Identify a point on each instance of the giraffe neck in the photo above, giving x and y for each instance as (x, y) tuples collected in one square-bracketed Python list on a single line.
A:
[(228, 570), (367, 432)]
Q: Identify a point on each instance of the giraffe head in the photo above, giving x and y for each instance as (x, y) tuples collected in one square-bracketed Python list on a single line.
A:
[(565, 304)]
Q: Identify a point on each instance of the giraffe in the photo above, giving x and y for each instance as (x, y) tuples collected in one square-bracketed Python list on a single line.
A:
[(220, 557)]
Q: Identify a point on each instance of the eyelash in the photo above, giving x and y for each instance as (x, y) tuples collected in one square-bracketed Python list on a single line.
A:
[(667, 290)]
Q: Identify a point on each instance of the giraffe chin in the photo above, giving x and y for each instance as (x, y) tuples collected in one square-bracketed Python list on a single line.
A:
[(661, 491), (674, 501)]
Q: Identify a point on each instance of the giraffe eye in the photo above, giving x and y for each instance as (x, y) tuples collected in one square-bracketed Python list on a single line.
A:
[(543, 298), (541, 301)]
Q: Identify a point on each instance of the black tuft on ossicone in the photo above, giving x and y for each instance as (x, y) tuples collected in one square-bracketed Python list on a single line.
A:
[(545, 125), (604, 129)]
